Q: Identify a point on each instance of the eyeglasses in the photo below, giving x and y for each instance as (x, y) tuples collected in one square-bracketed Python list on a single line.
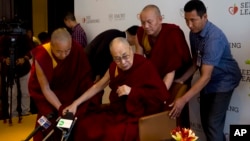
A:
[(119, 59)]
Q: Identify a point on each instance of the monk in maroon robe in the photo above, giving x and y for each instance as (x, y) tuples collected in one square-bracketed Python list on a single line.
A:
[(136, 91), (60, 73), (165, 45)]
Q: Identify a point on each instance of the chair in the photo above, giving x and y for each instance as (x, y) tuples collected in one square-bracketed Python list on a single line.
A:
[(157, 127)]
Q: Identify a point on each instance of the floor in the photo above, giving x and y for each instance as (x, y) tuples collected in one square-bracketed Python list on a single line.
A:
[(17, 131)]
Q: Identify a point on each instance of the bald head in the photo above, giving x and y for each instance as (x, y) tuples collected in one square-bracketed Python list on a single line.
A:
[(152, 7), (119, 40), (60, 35), (61, 43), (151, 20)]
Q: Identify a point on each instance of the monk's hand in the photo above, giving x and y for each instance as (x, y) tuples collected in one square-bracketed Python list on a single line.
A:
[(71, 108), (177, 108), (123, 90)]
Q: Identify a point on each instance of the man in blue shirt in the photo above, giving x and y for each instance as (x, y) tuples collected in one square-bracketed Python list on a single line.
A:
[(220, 73)]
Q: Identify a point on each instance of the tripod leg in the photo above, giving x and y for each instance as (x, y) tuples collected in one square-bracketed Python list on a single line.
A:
[(5, 104), (10, 117)]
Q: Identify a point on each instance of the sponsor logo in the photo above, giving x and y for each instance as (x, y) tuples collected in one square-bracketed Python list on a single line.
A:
[(235, 45), (233, 9), (233, 109), (242, 9), (245, 75), (89, 20), (117, 17)]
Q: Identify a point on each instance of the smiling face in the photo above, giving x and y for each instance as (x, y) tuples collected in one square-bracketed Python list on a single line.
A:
[(122, 53), (151, 20)]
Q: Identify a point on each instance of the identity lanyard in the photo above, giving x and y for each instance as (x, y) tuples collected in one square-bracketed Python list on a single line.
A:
[(199, 45)]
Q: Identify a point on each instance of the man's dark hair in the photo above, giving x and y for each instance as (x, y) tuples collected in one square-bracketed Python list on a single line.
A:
[(195, 5), (70, 16), (43, 36), (132, 30)]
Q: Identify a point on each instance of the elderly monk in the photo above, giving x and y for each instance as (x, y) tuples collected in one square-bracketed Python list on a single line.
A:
[(136, 91), (60, 73)]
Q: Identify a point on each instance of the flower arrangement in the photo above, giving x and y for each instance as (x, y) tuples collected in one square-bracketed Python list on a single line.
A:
[(183, 134)]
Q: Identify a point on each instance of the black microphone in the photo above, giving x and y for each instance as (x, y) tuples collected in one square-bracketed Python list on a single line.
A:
[(43, 123)]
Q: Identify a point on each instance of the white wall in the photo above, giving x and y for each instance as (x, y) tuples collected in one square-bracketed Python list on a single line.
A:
[(98, 15)]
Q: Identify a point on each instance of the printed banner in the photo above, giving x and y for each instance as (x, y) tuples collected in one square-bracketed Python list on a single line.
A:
[(232, 16)]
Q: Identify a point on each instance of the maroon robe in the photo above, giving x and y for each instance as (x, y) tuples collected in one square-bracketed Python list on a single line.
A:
[(119, 120), (68, 80), (169, 51)]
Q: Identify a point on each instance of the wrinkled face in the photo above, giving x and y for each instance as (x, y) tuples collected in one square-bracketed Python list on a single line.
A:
[(151, 22), (61, 49), (122, 55), (194, 22)]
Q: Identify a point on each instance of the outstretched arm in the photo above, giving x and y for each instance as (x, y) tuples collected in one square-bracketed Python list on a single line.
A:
[(97, 87), (178, 105)]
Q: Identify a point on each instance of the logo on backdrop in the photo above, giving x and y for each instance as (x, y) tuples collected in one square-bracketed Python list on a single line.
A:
[(233, 9), (242, 9), (235, 45), (117, 17), (233, 109), (245, 75), (90, 20)]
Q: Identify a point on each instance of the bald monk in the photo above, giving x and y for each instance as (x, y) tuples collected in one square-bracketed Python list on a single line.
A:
[(165, 45), (60, 73), (136, 91)]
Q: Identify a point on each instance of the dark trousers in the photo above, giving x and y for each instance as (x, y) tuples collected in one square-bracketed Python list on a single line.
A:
[(213, 108)]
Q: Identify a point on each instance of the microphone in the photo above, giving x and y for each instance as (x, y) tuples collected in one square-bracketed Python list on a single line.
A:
[(43, 123), (66, 121), (66, 124)]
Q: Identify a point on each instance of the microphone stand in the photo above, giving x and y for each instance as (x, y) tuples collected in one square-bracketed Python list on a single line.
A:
[(51, 132)]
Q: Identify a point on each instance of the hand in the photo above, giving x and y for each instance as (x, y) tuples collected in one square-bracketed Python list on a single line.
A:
[(20, 61), (177, 108), (71, 108), (123, 90)]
